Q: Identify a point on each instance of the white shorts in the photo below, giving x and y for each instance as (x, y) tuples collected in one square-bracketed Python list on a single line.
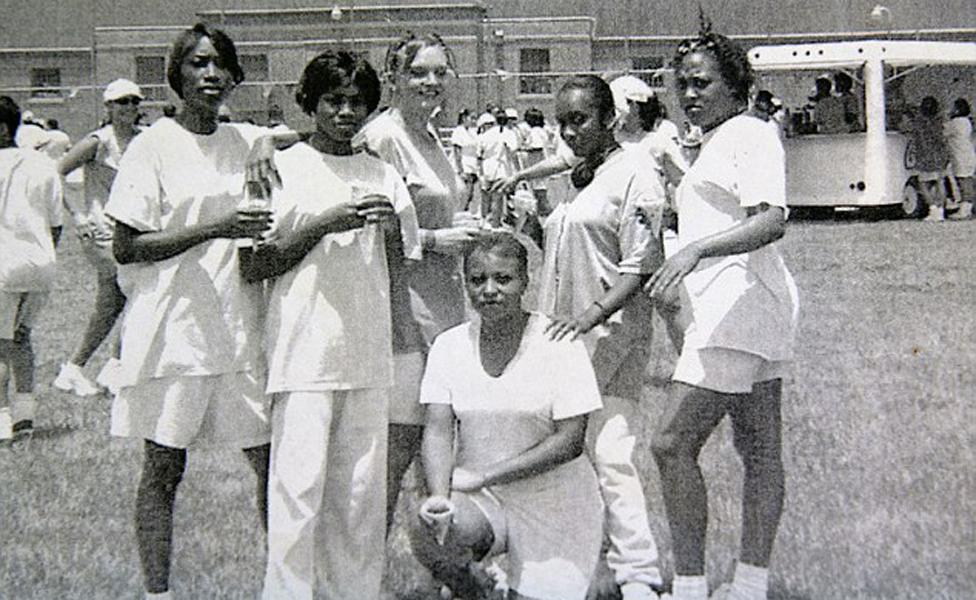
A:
[(19, 309), (179, 412), (726, 370), (405, 406)]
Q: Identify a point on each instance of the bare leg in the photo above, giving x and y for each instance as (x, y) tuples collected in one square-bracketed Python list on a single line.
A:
[(109, 302), (259, 457), (162, 471), (404, 446), (757, 426), (690, 416)]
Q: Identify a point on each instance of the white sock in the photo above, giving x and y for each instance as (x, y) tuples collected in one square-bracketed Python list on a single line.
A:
[(159, 596), (24, 407), (689, 587), (750, 582)]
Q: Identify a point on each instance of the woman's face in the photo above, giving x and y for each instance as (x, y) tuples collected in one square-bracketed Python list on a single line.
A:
[(340, 112), (420, 85), (495, 284), (124, 111), (580, 123), (206, 81), (703, 94)]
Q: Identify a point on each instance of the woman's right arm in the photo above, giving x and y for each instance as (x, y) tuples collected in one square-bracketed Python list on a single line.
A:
[(544, 168), (437, 449), (133, 246)]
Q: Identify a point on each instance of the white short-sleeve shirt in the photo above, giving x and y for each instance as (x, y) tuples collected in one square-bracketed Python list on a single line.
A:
[(501, 417), (191, 314), (30, 206), (328, 324), (745, 301)]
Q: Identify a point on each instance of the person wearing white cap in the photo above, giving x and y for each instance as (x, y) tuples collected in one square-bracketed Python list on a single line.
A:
[(99, 154)]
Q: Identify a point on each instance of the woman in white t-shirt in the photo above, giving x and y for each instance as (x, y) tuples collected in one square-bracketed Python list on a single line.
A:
[(427, 297), (464, 141), (191, 369), (742, 306), (962, 156), (99, 155), (503, 445)]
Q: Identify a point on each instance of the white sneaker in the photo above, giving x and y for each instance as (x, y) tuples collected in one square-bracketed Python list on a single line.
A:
[(110, 375), (71, 379), (935, 214)]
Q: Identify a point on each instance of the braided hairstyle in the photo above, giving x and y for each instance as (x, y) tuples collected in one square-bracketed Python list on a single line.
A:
[(733, 62)]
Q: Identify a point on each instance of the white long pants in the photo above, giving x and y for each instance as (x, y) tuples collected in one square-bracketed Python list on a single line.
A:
[(327, 495), (633, 553)]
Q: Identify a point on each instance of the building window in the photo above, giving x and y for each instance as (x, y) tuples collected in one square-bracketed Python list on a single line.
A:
[(649, 68), (45, 82), (151, 77), (255, 67), (534, 60)]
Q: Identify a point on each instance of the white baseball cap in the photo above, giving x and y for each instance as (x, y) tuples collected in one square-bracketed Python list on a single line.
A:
[(511, 113), (121, 88)]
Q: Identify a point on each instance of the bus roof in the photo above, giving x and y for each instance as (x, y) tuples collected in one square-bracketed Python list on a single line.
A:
[(832, 55)]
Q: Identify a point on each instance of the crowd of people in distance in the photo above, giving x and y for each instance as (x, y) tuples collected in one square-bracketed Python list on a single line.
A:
[(342, 302)]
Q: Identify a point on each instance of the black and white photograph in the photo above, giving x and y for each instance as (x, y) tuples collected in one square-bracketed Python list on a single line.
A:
[(487, 300)]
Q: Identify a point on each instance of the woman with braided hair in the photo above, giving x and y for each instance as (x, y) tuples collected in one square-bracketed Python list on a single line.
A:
[(741, 305)]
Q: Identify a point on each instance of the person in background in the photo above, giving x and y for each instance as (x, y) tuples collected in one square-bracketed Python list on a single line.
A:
[(843, 87), (600, 246), (497, 148), (503, 446), (962, 156), (927, 138), (58, 141), (741, 305), (31, 134), (464, 142), (30, 226), (428, 297), (328, 341), (191, 366), (828, 109), (99, 153)]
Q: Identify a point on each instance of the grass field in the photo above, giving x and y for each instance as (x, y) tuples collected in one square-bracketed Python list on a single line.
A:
[(879, 433)]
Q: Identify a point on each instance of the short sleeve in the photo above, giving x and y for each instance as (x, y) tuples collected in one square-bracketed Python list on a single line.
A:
[(136, 195), (574, 388), (435, 385), (761, 168), (251, 133), (639, 228), (407, 215)]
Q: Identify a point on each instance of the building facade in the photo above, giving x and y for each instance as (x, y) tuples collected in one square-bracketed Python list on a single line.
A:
[(58, 56)]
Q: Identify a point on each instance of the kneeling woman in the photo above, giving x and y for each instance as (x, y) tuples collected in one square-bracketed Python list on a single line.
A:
[(518, 482)]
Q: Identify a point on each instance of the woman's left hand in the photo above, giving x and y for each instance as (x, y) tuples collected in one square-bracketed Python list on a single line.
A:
[(260, 168), (663, 284), (464, 480)]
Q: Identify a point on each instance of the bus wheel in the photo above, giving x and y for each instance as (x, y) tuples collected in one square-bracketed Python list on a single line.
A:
[(912, 205)]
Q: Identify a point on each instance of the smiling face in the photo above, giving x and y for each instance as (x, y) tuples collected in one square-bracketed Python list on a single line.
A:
[(206, 80), (420, 84), (582, 125), (495, 284), (704, 96), (340, 112)]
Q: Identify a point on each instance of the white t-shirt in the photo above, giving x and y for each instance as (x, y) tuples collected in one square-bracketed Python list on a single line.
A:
[(191, 314), (958, 133), (501, 417), (328, 324), (32, 137), (467, 141), (745, 301), (30, 206), (497, 147)]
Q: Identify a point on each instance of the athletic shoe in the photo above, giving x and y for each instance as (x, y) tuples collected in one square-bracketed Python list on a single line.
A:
[(71, 379), (23, 428)]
